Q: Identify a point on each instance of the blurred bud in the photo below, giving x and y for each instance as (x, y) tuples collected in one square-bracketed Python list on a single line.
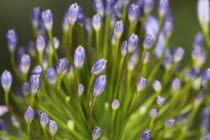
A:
[(61, 66), (26, 89), (80, 89), (141, 84), (157, 86), (29, 114), (163, 7), (99, 85), (88, 25), (148, 42), (12, 39), (99, 7), (133, 13), (35, 83), (205, 77), (169, 123), (148, 6), (98, 67), (79, 57), (70, 124), (176, 84), (178, 54), (132, 42), (52, 127), (118, 29), (96, 22), (203, 13), (73, 13), (160, 101), (97, 132), (124, 48), (40, 44), (3, 110), (146, 58), (153, 113), (146, 134), (47, 19), (36, 17), (15, 121), (43, 119), (6, 80), (25, 63), (115, 104)]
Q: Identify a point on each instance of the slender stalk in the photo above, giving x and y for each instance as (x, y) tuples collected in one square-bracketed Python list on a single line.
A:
[(91, 113), (98, 44), (17, 73), (29, 131), (70, 43), (53, 45), (105, 50)]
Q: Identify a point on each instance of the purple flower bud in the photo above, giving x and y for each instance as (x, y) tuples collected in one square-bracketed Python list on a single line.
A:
[(43, 119), (29, 114), (169, 123), (80, 19), (146, 58), (124, 48), (62, 66), (51, 75), (176, 84), (109, 7), (157, 86), (40, 44), (3, 126), (118, 9), (37, 70), (132, 42), (98, 67), (31, 49), (25, 89), (99, 7), (207, 136), (131, 66), (6, 80), (153, 113), (96, 22), (205, 77), (160, 101), (88, 25), (73, 13), (168, 26), (141, 84), (12, 39), (35, 83), (99, 85), (80, 89), (198, 56), (15, 121), (115, 104), (198, 40), (178, 54), (145, 135), (118, 29), (65, 24), (3, 110), (52, 127), (47, 19), (163, 7), (191, 74), (148, 6), (148, 42), (79, 57), (56, 42), (97, 132), (203, 13), (133, 13), (36, 17), (25, 63)]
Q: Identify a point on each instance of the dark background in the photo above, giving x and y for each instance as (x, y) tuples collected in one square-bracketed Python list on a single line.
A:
[(16, 14)]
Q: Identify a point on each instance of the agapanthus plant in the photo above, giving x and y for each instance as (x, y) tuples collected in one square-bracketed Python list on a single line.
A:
[(112, 76)]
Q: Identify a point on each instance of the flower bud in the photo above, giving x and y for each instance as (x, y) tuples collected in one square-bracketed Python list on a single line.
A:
[(148, 42), (61, 66), (99, 85), (99, 7), (160, 101), (6, 80), (118, 7), (97, 132), (157, 86), (153, 113), (3, 110), (133, 13), (40, 44), (148, 6), (37, 70), (146, 134), (29, 114), (73, 13), (141, 84), (118, 29), (80, 89), (115, 104), (178, 54), (176, 84), (51, 75), (203, 13), (132, 42), (52, 127), (79, 57), (98, 67), (124, 48), (70, 124), (169, 123), (96, 22), (25, 63), (205, 77), (12, 39), (25, 89), (36, 17), (88, 25), (146, 58), (15, 121), (65, 24), (47, 19), (163, 8), (35, 83), (43, 119)]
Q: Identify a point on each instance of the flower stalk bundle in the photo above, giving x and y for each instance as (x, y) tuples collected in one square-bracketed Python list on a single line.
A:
[(111, 77)]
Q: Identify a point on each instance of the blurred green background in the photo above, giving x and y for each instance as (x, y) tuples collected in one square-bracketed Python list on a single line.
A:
[(16, 14)]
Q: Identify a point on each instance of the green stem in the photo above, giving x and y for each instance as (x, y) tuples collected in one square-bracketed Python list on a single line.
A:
[(107, 22), (91, 113), (80, 35), (98, 43), (29, 131), (17, 73), (206, 36), (70, 43), (53, 45)]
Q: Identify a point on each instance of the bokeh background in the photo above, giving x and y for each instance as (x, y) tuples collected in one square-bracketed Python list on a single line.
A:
[(16, 14)]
